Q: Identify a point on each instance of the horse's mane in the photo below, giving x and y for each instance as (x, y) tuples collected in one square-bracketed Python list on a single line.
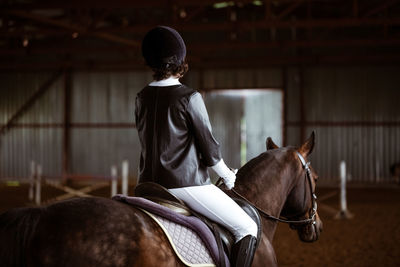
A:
[(253, 162), (264, 162), (16, 231)]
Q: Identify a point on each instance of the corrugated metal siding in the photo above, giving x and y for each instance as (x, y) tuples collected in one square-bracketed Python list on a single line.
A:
[(96, 98), (105, 98), (21, 145), (367, 151), (352, 94), (225, 115), (332, 94), (242, 78), (364, 94)]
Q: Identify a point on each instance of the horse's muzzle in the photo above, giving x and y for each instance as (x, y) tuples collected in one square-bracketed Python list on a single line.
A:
[(310, 232)]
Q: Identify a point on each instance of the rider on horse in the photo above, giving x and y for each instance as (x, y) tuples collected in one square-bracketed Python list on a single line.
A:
[(177, 143)]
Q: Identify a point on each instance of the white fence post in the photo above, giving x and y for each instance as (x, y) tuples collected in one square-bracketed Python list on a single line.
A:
[(114, 180), (38, 184), (125, 169), (31, 181), (343, 213)]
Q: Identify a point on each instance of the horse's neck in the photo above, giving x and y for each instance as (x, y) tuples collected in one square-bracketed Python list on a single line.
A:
[(267, 185)]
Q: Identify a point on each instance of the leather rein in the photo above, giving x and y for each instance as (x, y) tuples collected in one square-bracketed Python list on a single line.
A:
[(312, 216)]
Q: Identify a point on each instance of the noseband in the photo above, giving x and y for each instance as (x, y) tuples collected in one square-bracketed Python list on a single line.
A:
[(312, 217)]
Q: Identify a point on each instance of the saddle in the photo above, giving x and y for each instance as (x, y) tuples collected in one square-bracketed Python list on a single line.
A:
[(224, 239)]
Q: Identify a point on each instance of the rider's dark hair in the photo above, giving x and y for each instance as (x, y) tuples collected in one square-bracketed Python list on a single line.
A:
[(168, 70)]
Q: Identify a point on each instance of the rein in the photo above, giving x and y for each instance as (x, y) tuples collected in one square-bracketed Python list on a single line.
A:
[(311, 219)]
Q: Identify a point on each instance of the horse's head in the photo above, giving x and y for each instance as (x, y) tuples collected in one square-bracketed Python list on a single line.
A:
[(300, 204)]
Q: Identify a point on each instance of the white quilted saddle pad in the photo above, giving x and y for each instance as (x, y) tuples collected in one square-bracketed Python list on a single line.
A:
[(190, 249)]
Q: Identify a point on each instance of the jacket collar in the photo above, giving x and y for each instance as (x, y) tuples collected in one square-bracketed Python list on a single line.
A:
[(166, 82)]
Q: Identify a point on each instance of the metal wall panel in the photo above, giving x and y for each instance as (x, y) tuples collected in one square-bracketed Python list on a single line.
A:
[(367, 151), (94, 151), (105, 98), (366, 96), (263, 114), (242, 78), (20, 145), (225, 114), (331, 94)]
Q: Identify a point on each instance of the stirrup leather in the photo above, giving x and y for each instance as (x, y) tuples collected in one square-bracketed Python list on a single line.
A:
[(243, 252)]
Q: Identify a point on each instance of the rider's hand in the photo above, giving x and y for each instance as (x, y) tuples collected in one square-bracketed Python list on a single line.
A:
[(229, 179), (225, 173)]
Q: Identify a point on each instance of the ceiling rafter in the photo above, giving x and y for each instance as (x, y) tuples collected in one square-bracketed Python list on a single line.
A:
[(206, 46), (289, 9), (109, 32), (268, 12), (73, 27), (263, 24), (380, 7), (264, 61), (194, 14), (44, 29), (355, 8)]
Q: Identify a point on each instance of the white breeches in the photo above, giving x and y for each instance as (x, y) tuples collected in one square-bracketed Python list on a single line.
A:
[(213, 203)]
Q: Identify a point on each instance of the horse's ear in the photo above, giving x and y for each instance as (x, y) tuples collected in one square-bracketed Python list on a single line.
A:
[(270, 144), (308, 145)]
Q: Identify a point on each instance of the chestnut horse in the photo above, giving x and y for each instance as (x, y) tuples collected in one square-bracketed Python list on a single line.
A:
[(102, 232)]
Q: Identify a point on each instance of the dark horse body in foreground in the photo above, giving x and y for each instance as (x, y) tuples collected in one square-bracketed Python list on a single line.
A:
[(101, 232)]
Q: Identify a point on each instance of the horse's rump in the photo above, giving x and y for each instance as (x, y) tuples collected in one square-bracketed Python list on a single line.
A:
[(17, 228), (96, 231), (191, 239)]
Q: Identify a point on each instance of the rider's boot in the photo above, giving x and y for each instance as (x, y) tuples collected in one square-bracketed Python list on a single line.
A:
[(243, 251)]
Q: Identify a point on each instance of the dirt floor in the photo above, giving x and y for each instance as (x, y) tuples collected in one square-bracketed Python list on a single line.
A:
[(370, 238)]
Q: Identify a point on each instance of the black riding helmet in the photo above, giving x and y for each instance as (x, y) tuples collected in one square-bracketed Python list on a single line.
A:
[(162, 47)]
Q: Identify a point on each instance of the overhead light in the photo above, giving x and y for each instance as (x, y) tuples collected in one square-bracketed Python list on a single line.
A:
[(233, 16), (223, 4), (257, 3), (182, 13), (25, 42), (125, 21)]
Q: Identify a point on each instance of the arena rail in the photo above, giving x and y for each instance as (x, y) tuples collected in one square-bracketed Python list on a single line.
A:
[(36, 180)]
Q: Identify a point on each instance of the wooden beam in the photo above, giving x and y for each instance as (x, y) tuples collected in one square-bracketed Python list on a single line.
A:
[(263, 24), (202, 47), (268, 13), (67, 122), (302, 104), (380, 7), (194, 14), (115, 4), (79, 49), (309, 16), (220, 62), (288, 10), (347, 123), (355, 8), (81, 125), (36, 95), (285, 104), (73, 27)]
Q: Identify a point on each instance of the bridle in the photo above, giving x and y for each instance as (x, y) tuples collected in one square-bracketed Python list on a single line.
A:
[(312, 215)]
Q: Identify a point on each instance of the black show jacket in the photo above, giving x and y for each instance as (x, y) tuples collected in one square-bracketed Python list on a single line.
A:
[(175, 135)]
